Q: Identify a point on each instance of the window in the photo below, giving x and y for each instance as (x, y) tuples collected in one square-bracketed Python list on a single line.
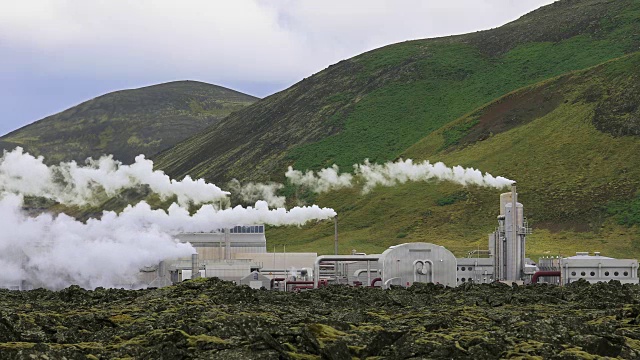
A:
[(606, 273), (463, 279), (463, 268), (625, 273), (573, 273), (582, 273), (470, 268), (592, 274), (615, 273)]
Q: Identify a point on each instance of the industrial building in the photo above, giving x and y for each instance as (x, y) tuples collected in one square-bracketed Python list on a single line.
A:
[(239, 254)]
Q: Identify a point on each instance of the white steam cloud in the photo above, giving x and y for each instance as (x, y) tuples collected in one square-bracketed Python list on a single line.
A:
[(401, 171), (325, 180), (252, 192), (391, 174), (70, 183), (57, 251)]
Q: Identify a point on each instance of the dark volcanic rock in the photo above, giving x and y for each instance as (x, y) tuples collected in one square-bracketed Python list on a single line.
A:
[(213, 319)]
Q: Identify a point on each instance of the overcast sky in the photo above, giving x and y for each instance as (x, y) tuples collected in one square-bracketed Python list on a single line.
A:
[(55, 54)]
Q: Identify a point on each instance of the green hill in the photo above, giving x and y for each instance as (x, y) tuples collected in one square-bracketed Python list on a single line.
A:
[(128, 122), (550, 100), (379, 103), (570, 142)]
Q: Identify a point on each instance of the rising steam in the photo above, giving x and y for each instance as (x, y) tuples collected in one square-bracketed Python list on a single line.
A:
[(70, 183), (325, 180), (252, 192), (57, 251), (391, 174), (60, 251)]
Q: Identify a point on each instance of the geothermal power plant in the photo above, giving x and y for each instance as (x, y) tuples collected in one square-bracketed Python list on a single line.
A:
[(239, 254)]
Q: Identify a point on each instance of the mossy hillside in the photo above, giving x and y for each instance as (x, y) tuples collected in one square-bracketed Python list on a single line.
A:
[(208, 318), (579, 184), (378, 104), (128, 123)]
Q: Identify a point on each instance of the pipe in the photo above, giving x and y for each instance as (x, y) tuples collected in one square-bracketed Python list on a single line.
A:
[(534, 279), (514, 234), (274, 280), (336, 258), (374, 281), (335, 240), (195, 269), (227, 245), (310, 283)]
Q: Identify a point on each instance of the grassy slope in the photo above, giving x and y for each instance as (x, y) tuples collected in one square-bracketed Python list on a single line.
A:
[(579, 183), (379, 103), (129, 122)]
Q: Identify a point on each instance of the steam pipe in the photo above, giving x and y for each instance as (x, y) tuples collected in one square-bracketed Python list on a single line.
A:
[(335, 239), (336, 258), (514, 233), (274, 280), (308, 283), (195, 269), (534, 279)]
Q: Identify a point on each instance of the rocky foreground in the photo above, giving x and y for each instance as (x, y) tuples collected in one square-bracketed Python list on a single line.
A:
[(212, 319)]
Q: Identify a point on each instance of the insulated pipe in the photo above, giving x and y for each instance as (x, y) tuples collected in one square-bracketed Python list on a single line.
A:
[(534, 279), (195, 269), (374, 281), (319, 259), (514, 234), (274, 280), (227, 245), (335, 240), (308, 283)]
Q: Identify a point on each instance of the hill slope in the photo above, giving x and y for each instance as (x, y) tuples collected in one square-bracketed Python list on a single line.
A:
[(128, 122), (570, 142), (378, 104)]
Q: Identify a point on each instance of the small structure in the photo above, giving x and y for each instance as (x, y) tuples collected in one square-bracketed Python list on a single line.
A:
[(410, 263), (595, 268), (256, 280)]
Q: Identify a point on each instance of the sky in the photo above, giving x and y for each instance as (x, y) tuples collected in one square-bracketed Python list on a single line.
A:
[(55, 54)]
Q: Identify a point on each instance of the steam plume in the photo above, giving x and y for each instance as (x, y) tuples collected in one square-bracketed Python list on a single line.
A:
[(325, 180), (69, 183), (252, 192), (59, 251), (401, 171), (391, 174)]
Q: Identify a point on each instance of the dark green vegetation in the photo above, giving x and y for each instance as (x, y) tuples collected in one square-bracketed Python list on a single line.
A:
[(128, 123), (378, 104), (550, 100), (211, 319)]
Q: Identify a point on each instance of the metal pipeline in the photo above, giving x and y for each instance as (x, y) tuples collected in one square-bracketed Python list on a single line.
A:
[(195, 268), (308, 283), (374, 281), (328, 258), (534, 279), (274, 280)]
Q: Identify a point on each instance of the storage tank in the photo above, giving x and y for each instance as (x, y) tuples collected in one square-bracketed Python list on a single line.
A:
[(409, 263)]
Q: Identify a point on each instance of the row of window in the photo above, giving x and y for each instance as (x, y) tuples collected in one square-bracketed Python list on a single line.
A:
[(465, 268), (253, 229), (606, 273)]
